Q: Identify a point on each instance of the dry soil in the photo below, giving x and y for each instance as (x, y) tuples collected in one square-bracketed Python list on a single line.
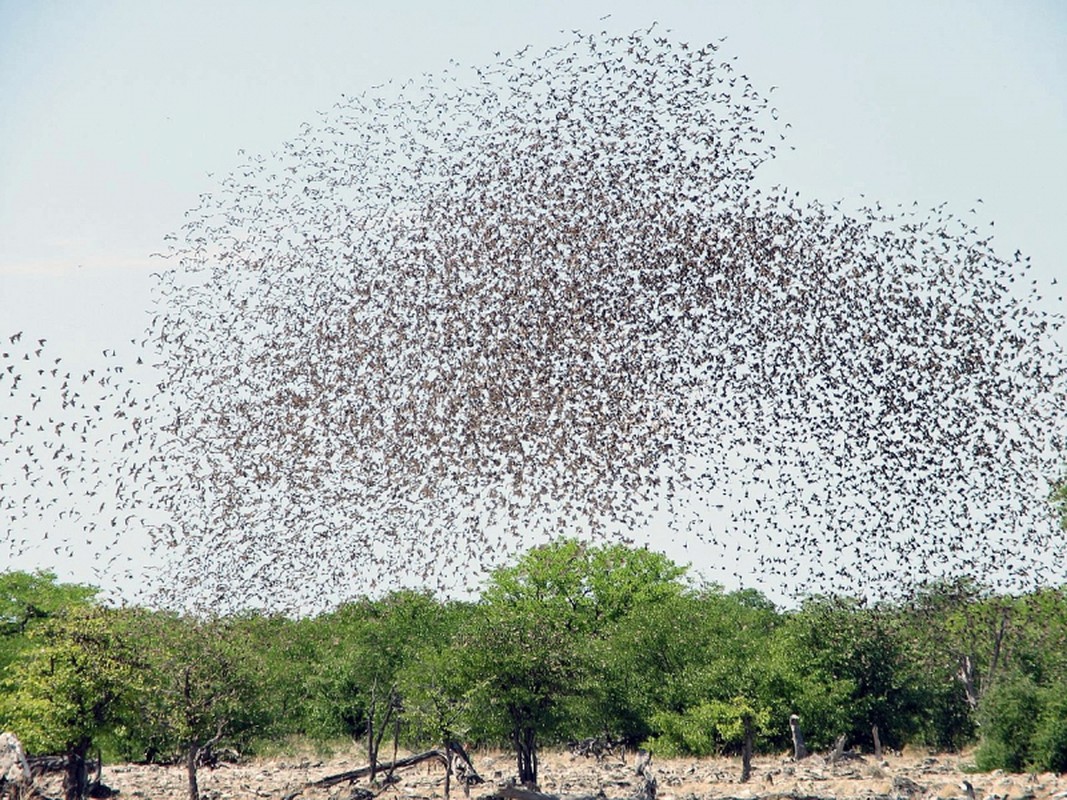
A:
[(908, 776)]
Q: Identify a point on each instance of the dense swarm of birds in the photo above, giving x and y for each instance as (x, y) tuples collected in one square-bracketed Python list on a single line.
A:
[(486, 307)]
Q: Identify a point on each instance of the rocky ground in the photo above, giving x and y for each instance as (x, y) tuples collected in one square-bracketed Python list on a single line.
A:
[(911, 776)]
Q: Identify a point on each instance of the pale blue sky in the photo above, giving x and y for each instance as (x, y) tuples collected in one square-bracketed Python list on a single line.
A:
[(114, 115)]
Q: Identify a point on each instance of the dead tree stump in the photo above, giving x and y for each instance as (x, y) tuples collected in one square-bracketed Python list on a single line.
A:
[(839, 749), (799, 750), (648, 789)]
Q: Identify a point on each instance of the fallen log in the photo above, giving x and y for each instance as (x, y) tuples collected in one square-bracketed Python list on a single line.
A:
[(42, 765), (471, 777)]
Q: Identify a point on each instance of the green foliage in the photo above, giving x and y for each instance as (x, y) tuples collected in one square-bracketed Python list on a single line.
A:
[(522, 656), (437, 697), (1049, 746), (947, 722), (361, 649), (1009, 716), (709, 728), (960, 626), (538, 647), (572, 640), (200, 685), (793, 680), (974, 640), (708, 659), (284, 657), (1024, 727), (871, 655), (67, 689), (1038, 645), (27, 599)]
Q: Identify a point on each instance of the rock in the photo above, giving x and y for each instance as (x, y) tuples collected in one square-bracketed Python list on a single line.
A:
[(101, 791), (906, 787), (14, 768)]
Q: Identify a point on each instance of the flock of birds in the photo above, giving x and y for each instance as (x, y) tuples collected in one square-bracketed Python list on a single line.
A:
[(72, 464), (481, 309)]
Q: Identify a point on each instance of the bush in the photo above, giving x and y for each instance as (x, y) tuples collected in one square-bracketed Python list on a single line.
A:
[(949, 723), (1024, 727), (691, 733), (1049, 748), (1009, 716), (712, 728)]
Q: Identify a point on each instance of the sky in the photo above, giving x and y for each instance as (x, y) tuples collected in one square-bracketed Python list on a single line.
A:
[(117, 115)]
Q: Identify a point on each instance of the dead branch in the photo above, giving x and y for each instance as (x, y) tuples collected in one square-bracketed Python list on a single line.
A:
[(400, 763)]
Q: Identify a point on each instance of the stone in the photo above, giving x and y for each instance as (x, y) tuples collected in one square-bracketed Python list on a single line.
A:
[(14, 768)]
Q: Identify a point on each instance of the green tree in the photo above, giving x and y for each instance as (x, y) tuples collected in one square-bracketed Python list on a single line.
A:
[(697, 666), (708, 727), (437, 700), (199, 686), (286, 655), (1024, 714), (1049, 747), (1009, 714), (867, 652), (534, 646), (960, 624), (364, 647), (68, 689)]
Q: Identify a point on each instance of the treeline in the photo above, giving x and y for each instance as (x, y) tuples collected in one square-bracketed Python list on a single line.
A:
[(572, 641)]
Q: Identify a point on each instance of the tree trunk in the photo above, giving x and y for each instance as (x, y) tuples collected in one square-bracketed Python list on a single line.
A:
[(839, 749), (967, 675), (376, 732), (450, 757), (643, 767), (396, 742), (372, 750), (191, 756), (460, 764), (76, 776), (877, 742), (525, 739), (746, 749)]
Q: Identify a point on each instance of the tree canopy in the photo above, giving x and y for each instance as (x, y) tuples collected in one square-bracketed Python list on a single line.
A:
[(573, 641)]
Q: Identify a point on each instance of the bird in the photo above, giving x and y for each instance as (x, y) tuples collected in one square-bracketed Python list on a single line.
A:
[(456, 315)]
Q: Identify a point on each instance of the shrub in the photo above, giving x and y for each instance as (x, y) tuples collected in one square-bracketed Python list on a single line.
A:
[(1049, 748), (1009, 715), (710, 728)]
